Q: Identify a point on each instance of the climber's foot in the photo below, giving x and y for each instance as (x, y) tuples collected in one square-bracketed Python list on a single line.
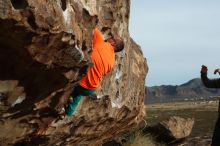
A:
[(69, 100), (60, 117)]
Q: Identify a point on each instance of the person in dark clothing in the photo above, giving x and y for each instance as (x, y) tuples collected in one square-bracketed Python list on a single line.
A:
[(212, 83)]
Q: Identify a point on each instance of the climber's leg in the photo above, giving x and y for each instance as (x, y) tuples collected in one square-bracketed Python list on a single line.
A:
[(77, 95)]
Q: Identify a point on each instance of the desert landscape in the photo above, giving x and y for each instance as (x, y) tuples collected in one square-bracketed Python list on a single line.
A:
[(203, 111)]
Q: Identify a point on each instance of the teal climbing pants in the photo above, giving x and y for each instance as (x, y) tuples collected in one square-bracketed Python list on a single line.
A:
[(77, 95)]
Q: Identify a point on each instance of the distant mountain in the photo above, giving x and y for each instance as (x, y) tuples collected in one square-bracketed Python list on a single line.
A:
[(192, 89)]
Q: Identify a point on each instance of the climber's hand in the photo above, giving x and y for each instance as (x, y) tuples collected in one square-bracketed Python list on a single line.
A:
[(217, 71), (204, 69)]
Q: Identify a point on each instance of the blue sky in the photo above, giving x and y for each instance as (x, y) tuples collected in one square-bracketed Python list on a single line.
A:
[(176, 37)]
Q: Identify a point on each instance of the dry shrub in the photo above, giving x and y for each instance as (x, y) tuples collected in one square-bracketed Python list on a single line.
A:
[(140, 139)]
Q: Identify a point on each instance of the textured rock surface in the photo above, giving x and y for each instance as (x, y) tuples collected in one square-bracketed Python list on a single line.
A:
[(197, 141), (171, 131), (39, 69)]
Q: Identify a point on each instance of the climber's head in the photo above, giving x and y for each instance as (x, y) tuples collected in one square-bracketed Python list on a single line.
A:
[(117, 43)]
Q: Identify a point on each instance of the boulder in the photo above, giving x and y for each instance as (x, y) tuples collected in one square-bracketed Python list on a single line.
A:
[(40, 41), (171, 131)]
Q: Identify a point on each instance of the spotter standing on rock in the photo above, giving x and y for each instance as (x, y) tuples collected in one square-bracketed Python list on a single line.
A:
[(103, 57), (214, 83)]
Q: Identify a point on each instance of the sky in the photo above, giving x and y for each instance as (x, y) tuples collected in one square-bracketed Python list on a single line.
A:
[(177, 37)]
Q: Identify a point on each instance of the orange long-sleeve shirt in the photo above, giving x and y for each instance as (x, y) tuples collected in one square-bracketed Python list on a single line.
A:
[(103, 57)]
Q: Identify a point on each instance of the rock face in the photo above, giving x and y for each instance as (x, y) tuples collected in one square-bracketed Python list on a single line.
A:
[(171, 131), (200, 141), (191, 89), (39, 41)]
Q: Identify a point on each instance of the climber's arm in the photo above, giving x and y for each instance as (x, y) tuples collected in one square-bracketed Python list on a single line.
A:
[(209, 83), (97, 37)]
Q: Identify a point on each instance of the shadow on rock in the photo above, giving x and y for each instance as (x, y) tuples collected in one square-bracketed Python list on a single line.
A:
[(34, 141)]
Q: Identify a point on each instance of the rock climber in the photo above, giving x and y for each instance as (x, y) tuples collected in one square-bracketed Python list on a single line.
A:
[(103, 58), (212, 83)]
